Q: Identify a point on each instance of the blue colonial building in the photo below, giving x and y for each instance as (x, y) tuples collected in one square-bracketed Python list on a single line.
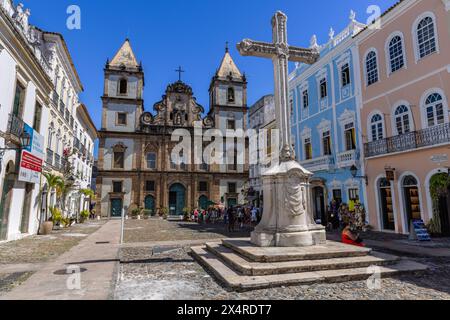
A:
[(325, 120)]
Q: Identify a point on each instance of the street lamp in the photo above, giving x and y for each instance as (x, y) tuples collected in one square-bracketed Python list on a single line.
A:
[(25, 141), (354, 172)]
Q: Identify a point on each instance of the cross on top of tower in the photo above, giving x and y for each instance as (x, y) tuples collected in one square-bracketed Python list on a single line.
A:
[(180, 71)]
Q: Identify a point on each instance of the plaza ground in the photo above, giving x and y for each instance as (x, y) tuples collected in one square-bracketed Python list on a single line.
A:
[(155, 263)]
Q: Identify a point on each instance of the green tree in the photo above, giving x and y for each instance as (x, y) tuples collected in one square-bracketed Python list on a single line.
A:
[(53, 182)]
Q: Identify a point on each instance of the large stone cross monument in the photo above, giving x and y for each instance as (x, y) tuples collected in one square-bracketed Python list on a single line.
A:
[(288, 220)]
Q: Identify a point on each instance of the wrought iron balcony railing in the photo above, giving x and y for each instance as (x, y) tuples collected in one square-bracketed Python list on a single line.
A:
[(15, 126), (57, 163), (418, 139), (50, 157)]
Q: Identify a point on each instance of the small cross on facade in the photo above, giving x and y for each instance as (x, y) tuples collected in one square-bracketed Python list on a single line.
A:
[(281, 53), (180, 71)]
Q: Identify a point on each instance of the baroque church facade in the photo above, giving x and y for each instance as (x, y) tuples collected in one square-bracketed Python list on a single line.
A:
[(135, 167)]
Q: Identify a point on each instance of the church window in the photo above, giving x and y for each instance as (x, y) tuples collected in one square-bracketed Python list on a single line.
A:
[(231, 124), (119, 159), (150, 186), (151, 160), (117, 187), (203, 186), (123, 86), (231, 95), (345, 71), (121, 119), (232, 187)]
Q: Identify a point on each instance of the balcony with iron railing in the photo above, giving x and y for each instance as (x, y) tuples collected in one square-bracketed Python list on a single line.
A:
[(67, 116), (62, 107), (347, 159), (76, 144), (50, 157), (57, 163), (324, 163), (406, 142), (15, 128), (55, 99)]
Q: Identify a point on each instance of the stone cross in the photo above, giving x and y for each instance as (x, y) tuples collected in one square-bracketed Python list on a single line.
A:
[(281, 53)]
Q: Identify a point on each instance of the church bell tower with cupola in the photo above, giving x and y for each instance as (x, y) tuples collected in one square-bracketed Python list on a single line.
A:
[(228, 95)]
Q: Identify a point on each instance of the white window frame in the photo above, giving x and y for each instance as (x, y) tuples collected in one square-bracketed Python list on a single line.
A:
[(423, 107), (320, 76), (306, 134), (346, 118), (394, 117), (415, 34), (323, 127), (366, 79), (388, 55), (369, 124)]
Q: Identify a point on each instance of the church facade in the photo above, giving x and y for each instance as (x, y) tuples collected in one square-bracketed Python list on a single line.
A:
[(135, 166)]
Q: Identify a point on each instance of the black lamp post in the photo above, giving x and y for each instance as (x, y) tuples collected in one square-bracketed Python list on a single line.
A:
[(354, 172)]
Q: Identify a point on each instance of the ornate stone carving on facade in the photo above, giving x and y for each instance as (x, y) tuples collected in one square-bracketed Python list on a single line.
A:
[(120, 147)]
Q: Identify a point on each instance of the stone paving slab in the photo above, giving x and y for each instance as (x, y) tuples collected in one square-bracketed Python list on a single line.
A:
[(249, 268), (98, 261), (330, 250)]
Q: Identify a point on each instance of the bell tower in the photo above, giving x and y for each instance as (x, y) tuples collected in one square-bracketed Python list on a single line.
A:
[(123, 102), (228, 95)]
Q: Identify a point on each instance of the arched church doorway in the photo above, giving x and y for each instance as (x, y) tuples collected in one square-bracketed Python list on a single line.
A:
[(177, 199)]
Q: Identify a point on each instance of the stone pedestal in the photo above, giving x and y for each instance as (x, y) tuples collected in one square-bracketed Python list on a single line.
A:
[(288, 220)]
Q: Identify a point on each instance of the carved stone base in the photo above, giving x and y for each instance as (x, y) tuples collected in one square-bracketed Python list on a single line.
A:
[(287, 218), (314, 237)]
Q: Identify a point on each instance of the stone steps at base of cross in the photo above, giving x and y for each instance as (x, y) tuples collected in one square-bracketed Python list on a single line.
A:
[(240, 273)]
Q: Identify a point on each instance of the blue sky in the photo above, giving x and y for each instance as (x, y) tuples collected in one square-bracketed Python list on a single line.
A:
[(191, 33)]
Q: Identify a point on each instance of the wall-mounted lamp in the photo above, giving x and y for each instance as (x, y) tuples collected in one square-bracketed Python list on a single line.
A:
[(354, 172), (25, 140)]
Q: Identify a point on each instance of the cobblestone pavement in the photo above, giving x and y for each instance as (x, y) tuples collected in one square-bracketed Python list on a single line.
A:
[(162, 230), (27, 253), (168, 272), (174, 275)]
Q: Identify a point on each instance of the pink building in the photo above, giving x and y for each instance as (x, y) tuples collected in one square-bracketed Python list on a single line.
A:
[(405, 72)]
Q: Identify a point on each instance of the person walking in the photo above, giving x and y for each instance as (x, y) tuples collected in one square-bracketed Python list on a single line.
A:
[(231, 219)]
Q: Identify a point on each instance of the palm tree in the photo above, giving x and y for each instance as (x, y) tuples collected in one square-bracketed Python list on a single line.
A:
[(53, 181)]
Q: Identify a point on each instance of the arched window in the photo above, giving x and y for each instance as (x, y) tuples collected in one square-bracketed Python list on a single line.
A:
[(231, 96), (151, 160), (402, 120), (371, 68), (396, 55), (123, 86), (426, 37), (434, 106), (377, 127)]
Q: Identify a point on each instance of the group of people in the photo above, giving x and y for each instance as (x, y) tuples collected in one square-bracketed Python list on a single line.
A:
[(232, 217), (242, 216)]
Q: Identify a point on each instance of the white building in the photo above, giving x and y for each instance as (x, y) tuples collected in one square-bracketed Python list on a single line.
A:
[(261, 117), (39, 89)]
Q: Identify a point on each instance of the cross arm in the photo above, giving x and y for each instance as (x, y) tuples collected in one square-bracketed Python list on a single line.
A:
[(308, 56), (256, 49)]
